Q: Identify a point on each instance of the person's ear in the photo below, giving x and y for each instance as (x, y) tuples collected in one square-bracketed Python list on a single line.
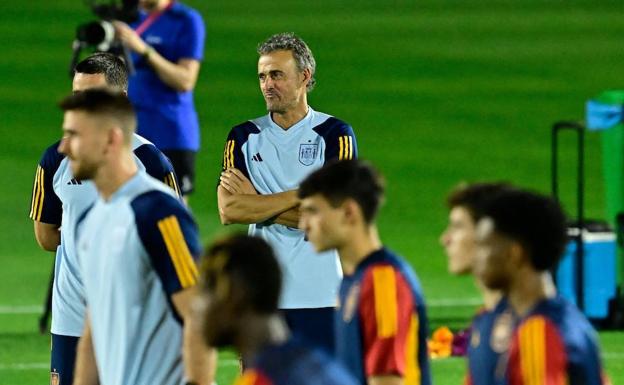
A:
[(517, 253), (351, 211), (307, 75)]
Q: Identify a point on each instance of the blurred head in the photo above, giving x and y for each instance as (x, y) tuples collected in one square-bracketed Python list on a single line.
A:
[(101, 70), (466, 204), (519, 231), (240, 277), (96, 125), (286, 71), (153, 5), (337, 199)]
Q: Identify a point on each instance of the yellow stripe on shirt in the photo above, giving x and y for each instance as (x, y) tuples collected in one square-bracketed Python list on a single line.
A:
[(412, 366), (178, 250), (170, 181), (37, 204), (533, 351), (231, 156), (384, 284), (225, 154), (341, 153), (350, 146), (35, 194)]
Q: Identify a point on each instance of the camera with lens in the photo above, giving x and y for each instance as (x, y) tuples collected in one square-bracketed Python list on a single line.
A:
[(100, 34)]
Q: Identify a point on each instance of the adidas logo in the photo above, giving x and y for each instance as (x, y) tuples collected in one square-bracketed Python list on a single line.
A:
[(257, 157), (74, 181)]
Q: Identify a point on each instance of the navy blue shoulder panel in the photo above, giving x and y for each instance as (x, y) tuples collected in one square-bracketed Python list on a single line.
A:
[(46, 206), (157, 165), (170, 236), (339, 139), (233, 154), (51, 159)]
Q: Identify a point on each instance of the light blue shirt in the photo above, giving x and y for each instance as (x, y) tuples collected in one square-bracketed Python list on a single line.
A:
[(135, 251), (277, 160), (59, 199)]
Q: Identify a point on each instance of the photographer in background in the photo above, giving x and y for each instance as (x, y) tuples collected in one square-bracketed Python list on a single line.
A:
[(167, 42)]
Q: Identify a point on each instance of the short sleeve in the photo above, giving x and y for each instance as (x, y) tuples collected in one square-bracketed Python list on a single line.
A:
[(233, 152), (158, 166), (538, 355), (170, 237), (390, 325), (45, 205), (192, 37), (340, 142)]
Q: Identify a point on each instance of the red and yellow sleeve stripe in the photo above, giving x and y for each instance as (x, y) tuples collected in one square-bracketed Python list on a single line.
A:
[(391, 325), (538, 354), (36, 205), (170, 181), (228, 154), (384, 286), (345, 151), (183, 262)]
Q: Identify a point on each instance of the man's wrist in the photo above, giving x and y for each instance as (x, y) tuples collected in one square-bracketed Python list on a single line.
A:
[(147, 51)]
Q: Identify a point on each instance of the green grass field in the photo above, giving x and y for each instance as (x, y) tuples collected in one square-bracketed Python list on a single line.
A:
[(437, 91)]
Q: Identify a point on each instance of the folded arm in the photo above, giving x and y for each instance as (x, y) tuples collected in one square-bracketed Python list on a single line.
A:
[(239, 202)]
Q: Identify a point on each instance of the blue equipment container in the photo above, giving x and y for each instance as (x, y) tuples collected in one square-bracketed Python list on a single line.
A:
[(598, 275)]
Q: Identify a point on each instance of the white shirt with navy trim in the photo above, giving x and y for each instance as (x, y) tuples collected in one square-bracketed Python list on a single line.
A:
[(277, 160)]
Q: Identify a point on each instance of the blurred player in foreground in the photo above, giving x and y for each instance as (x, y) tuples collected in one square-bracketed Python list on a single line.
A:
[(135, 248), (59, 198), (241, 283), (381, 322), (536, 336)]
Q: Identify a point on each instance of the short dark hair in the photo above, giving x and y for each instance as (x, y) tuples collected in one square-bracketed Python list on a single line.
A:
[(249, 263), (339, 180), (113, 105), (114, 69), (536, 221), (302, 54), (473, 196)]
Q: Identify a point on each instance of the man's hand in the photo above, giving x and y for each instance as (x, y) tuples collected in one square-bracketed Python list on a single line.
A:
[(130, 38), (235, 182)]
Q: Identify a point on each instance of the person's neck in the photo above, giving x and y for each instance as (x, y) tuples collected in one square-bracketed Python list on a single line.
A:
[(490, 297), (527, 288), (291, 117), (111, 177), (259, 331), (361, 244)]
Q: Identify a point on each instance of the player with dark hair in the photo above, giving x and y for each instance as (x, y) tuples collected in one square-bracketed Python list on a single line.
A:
[(241, 283), (89, 72), (135, 248), (538, 337), (381, 323), (58, 199), (466, 204), (263, 162)]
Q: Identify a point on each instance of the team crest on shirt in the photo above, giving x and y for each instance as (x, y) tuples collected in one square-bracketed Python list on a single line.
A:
[(501, 332), (307, 153), (348, 308)]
